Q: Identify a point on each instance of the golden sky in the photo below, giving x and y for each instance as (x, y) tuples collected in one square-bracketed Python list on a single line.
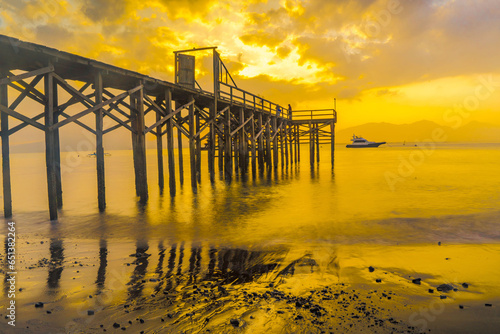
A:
[(395, 61)]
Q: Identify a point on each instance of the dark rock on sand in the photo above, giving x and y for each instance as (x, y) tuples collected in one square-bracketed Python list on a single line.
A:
[(465, 285), (442, 297), (90, 312), (488, 305), (461, 307), (371, 269), (416, 281), (431, 290), (235, 322), (378, 280), (39, 304), (116, 325), (445, 288)]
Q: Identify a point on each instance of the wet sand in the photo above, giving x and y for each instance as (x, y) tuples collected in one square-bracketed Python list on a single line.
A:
[(155, 286)]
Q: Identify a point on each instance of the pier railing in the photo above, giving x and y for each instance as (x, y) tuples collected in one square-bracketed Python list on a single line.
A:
[(314, 115), (237, 95)]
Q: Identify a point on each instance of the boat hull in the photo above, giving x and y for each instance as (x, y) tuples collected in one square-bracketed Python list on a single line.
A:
[(365, 146)]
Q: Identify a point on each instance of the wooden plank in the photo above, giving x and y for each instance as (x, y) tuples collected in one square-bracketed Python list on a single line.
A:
[(27, 75), (155, 106), (4, 119), (101, 185), (332, 142), (170, 143)]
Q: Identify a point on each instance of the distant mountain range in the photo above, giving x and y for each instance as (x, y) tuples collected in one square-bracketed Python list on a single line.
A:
[(419, 131)]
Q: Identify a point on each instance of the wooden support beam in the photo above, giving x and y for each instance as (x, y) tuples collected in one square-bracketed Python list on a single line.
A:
[(197, 140), (253, 144), (242, 140), (49, 146), (57, 150), (99, 106), (240, 127), (4, 119), (268, 143), (15, 78), (211, 142), (101, 184), (179, 147), (275, 141), (192, 152), (167, 117), (117, 120), (21, 117), (317, 144), (228, 155), (21, 96), (159, 146), (29, 93), (285, 135), (139, 144), (23, 125), (260, 141), (332, 142), (311, 143), (170, 143)]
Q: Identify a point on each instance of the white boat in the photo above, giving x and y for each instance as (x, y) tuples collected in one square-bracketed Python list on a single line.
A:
[(359, 142)]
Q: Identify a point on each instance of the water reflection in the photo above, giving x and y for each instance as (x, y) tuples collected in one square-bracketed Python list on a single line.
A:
[(141, 262), (103, 263), (56, 267)]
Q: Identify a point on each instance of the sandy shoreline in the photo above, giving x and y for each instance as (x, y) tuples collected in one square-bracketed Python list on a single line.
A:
[(87, 286)]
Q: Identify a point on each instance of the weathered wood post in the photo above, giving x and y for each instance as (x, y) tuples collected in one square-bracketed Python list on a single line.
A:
[(243, 142), (311, 143), (281, 130), (192, 139), (260, 141), (4, 119), (285, 134), (228, 167), (275, 141), (317, 143), (57, 150), (268, 142), (252, 134), (179, 146), (211, 143), (139, 144), (198, 146), (50, 160), (99, 151), (159, 150), (332, 138), (297, 143), (170, 142)]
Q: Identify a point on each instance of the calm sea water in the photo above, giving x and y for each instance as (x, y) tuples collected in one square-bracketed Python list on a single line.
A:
[(393, 194), (407, 211)]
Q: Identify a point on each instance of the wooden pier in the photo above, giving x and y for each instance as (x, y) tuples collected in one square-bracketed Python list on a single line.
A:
[(244, 132)]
